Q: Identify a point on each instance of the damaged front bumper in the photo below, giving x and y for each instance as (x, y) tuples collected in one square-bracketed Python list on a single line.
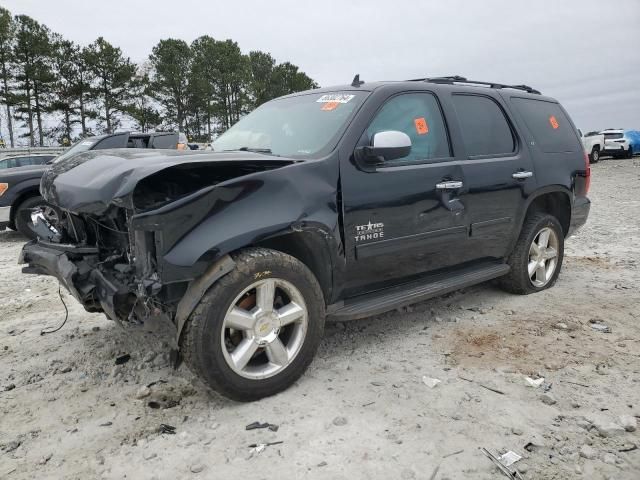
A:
[(74, 269)]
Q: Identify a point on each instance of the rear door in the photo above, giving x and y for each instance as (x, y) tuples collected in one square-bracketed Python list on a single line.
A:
[(498, 172), (398, 223)]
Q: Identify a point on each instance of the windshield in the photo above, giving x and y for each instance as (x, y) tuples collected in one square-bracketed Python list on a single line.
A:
[(81, 146), (300, 126)]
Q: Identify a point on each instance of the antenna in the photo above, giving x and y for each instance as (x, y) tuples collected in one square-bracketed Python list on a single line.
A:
[(356, 81)]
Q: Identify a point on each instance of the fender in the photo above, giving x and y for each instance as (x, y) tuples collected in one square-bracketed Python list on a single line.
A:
[(537, 194), (248, 210), (197, 289)]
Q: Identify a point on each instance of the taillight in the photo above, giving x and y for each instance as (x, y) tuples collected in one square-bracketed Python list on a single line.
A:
[(587, 175)]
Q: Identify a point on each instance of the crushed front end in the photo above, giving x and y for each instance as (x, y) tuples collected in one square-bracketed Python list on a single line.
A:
[(119, 246), (102, 263)]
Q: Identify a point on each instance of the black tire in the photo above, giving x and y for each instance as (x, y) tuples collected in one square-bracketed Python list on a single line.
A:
[(518, 280), (201, 340), (629, 152), (595, 155), (22, 217)]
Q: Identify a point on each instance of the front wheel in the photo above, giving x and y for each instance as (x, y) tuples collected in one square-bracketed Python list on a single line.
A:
[(537, 257), (256, 330)]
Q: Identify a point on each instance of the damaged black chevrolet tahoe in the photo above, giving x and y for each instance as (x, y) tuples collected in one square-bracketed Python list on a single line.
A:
[(336, 203)]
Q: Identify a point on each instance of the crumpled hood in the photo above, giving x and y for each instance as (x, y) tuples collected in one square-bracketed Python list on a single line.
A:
[(92, 181)]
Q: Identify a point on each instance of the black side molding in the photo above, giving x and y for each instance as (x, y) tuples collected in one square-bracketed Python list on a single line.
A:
[(379, 302)]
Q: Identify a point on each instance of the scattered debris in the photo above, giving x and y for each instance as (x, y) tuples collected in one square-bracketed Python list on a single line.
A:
[(322, 464), (122, 359), (259, 447), (457, 452), (430, 382), (197, 468), (154, 405), (9, 387), (575, 383), (509, 458), (106, 424), (599, 327), (492, 389), (168, 429), (534, 383), (516, 431), (256, 425), (503, 468), (368, 404), (45, 459)]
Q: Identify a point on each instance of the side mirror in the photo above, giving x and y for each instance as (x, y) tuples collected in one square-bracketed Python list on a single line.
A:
[(385, 146)]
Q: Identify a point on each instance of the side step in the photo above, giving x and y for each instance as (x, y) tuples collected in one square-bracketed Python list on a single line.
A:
[(406, 294)]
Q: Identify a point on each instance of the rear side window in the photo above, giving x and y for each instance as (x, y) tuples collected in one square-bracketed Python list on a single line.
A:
[(548, 124), (485, 129), (418, 115)]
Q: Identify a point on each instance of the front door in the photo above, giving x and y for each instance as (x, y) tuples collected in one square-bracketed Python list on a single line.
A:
[(406, 217)]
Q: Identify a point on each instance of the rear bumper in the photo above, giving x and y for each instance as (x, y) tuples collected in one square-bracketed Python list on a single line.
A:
[(579, 214)]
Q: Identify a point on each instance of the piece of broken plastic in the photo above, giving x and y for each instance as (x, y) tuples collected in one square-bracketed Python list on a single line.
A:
[(509, 458), (534, 383), (430, 382)]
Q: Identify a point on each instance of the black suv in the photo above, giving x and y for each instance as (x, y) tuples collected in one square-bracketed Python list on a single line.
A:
[(336, 203)]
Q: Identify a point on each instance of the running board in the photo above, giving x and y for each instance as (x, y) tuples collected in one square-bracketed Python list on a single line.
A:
[(382, 301)]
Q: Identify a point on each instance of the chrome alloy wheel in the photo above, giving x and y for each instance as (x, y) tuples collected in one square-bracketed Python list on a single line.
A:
[(543, 257), (264, 329)]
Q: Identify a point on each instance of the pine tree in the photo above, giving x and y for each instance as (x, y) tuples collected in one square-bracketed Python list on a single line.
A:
[(112, 78)]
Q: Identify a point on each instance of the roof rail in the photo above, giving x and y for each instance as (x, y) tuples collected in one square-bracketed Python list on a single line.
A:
[(451, 79)]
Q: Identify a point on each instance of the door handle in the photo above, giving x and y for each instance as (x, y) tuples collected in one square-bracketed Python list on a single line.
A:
[(449, 185), (522, 175)]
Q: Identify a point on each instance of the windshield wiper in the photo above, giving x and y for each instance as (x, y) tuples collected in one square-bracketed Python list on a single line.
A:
[(266, 151)]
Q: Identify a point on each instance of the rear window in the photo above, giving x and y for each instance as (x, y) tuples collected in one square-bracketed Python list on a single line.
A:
[(548, 124), (613, 136), (485, 130)]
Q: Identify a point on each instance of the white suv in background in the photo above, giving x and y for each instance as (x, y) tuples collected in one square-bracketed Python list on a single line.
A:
[(615, 144)]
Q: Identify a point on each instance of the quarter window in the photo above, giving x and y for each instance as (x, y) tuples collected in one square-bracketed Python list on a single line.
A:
[(418, 115), (548, 124), (485, 130)]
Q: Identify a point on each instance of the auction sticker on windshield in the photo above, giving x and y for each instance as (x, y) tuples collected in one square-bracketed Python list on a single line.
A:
[(335, 97)]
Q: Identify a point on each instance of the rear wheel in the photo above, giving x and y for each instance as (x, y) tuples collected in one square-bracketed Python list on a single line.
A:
[(257, 329), (22, 217), (595, 155), (537, 257), (630, 152)]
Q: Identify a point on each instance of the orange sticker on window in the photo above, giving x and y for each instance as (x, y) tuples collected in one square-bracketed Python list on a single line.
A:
[(554, 123), (330, 106), (421, 126)]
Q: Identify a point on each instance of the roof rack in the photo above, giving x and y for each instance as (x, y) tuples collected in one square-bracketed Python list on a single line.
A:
[(458, 79)]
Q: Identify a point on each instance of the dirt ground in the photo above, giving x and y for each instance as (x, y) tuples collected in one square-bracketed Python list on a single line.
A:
[(362, 410)]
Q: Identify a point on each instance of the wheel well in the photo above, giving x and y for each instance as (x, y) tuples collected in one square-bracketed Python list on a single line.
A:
[(596, 147), (31, 192), (307, 248), (556, 204)]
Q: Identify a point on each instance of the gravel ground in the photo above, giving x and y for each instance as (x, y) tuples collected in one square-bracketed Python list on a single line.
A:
[(362, 410)]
